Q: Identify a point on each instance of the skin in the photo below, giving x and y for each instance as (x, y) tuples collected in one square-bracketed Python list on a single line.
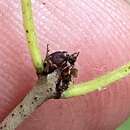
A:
[(99, 30)]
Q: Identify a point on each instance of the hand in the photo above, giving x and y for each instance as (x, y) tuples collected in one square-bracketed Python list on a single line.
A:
[(99, 30)]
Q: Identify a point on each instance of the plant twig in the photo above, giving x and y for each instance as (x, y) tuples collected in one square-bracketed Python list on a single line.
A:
[(98, 83), (43, 90), (31, 35)]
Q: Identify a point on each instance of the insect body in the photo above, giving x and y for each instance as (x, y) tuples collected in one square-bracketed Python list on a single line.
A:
[(63, 63)]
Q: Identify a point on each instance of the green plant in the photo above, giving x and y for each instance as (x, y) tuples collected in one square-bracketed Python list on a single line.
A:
[(125, 125)]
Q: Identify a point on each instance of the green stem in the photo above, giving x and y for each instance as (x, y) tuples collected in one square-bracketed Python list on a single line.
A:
[(98, 83), (31, 35)]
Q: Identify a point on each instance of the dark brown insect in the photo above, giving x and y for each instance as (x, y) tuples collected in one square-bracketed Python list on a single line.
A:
[(63, 63)]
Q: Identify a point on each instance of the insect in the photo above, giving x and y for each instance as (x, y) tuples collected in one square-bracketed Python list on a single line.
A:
[(63, 63)]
